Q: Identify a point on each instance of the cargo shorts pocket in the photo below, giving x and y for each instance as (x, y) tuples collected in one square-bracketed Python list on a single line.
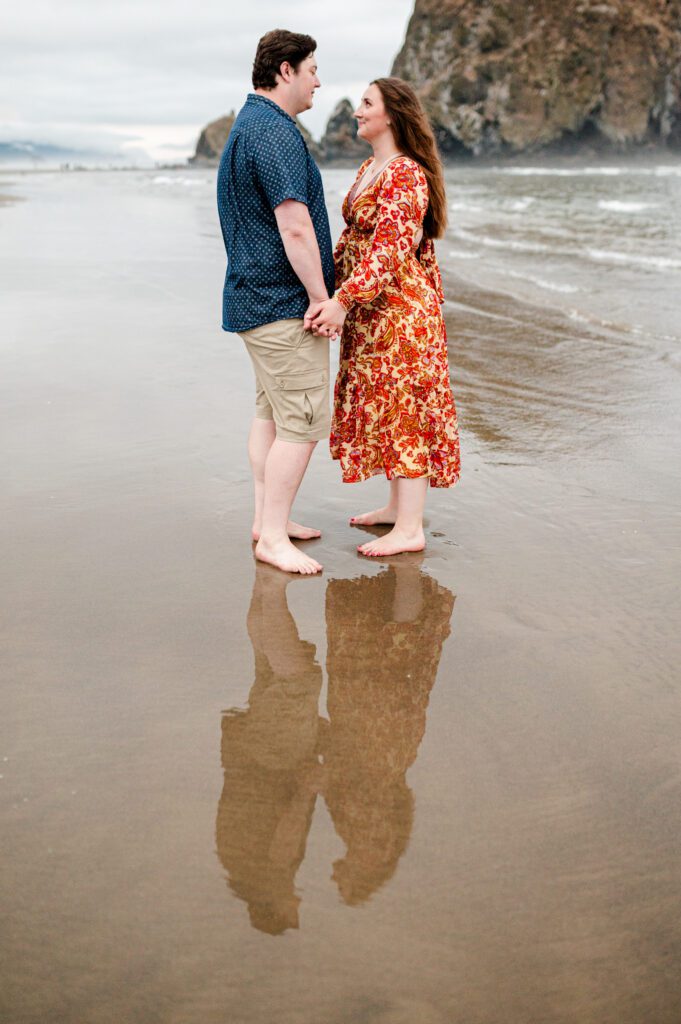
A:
[(304, 398)]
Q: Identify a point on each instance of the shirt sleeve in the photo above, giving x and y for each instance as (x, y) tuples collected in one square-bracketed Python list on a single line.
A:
[(279, 160), (402, 204)]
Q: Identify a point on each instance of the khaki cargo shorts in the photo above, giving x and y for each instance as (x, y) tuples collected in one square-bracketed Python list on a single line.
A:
[(291, 379)]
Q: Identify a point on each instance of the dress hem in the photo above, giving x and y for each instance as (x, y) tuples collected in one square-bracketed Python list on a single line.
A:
[(361, 477)]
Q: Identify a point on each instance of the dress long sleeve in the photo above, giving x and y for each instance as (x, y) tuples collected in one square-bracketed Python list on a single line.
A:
[(402, 204), (428, 261), (338, 255)]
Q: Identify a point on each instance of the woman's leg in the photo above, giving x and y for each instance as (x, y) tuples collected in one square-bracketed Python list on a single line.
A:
[(380, 516), (407, 533)]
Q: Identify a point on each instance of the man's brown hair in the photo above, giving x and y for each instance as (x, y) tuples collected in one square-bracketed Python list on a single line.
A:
[(273, 49)]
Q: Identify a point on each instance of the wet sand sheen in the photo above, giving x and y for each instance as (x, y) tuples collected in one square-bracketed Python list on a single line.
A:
[(439, 789)]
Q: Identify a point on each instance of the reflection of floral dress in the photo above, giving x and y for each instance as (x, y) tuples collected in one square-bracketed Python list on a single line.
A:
[(393, 410), (380, 675)]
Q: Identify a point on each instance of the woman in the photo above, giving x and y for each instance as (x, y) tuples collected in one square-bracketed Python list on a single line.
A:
[(393, 407)]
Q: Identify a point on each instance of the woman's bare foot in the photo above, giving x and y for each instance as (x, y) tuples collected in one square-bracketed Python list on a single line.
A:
[(294, 530), (286, 557), (393, 543), (379, 517)]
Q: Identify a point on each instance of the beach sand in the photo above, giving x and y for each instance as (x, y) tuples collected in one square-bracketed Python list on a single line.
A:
[(441, 789)]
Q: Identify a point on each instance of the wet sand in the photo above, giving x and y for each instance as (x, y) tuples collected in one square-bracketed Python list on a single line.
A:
[(441, 789)]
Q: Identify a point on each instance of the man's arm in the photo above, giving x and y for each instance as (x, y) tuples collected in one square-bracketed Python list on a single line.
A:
[(300, 243)]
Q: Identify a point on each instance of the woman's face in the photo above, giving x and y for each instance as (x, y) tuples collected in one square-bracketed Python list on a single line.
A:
[(372, 118)]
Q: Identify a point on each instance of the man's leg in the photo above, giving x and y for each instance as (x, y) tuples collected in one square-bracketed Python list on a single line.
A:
[(292, 374), (284, 470), (260, 440)]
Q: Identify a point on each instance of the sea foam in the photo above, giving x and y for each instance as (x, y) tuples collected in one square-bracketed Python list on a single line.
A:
[(168, 179), (660, 171), (622, 206)]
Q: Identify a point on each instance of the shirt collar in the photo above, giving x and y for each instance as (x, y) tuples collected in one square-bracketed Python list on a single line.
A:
[(254, 97)]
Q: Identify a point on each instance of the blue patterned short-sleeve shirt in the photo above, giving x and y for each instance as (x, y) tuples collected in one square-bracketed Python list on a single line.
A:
[(265, 162)]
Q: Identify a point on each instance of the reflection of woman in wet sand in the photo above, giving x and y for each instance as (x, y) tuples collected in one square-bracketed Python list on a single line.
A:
[(270, 763), (385, 636)]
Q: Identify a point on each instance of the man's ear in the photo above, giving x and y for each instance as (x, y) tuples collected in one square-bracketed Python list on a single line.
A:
[(285, 71)]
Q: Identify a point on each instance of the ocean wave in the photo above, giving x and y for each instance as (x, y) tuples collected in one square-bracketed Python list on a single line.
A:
[(597, 255), (464, 254), (498, 243), (542, 282), (665, 170), (622, 206), (612, 256), (466, 207), (522, 204), (561, 172), (168, 179), (661, 171)]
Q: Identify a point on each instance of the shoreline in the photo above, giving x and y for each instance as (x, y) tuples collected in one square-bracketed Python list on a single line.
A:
[(546, 159)]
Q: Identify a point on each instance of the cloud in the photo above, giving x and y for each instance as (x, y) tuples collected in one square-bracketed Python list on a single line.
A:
[(178, 63)]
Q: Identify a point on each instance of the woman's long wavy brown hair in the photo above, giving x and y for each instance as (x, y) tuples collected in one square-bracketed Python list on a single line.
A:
[(414, 137)]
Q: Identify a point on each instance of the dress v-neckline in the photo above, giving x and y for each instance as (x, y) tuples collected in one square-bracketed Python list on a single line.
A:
[(355, 193)]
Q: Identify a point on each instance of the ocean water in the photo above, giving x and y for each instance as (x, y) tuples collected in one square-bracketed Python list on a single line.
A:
[(595, 233), (441, 789)]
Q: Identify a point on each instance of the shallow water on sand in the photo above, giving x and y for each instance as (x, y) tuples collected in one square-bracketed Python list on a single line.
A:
[(442, 788)]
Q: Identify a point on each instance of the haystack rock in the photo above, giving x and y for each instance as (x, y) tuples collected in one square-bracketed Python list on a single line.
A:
[(340, 143), (511, 76)]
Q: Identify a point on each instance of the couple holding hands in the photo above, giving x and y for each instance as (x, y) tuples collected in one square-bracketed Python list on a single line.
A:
[(287, 292)]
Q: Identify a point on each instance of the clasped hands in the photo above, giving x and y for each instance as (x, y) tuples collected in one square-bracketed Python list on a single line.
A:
[(325, 318)]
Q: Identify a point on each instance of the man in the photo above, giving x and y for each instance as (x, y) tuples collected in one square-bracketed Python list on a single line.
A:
[(280, 263)]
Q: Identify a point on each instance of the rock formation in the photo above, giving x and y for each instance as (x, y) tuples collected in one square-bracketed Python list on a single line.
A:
[(214, 136), (315, 148), (339, 143), (212, 140), (506, 76)]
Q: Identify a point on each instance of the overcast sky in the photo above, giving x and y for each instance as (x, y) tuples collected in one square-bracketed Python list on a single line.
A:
[(146, 75)]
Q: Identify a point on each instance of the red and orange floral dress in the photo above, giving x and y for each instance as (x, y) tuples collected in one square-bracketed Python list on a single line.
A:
[(394, 410)]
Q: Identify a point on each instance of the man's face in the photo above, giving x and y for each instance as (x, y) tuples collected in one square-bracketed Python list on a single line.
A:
[(304, 83)]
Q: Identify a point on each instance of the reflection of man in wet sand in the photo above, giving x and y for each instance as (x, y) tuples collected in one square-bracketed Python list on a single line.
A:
[(270, 763), (385, 636)]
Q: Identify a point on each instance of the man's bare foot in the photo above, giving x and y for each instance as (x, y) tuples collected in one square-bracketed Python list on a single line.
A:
[(286, 557), (294, 530), (393, 543), (379, 517)]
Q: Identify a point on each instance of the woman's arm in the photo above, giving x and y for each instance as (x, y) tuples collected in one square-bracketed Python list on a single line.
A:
[(402, 202)]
